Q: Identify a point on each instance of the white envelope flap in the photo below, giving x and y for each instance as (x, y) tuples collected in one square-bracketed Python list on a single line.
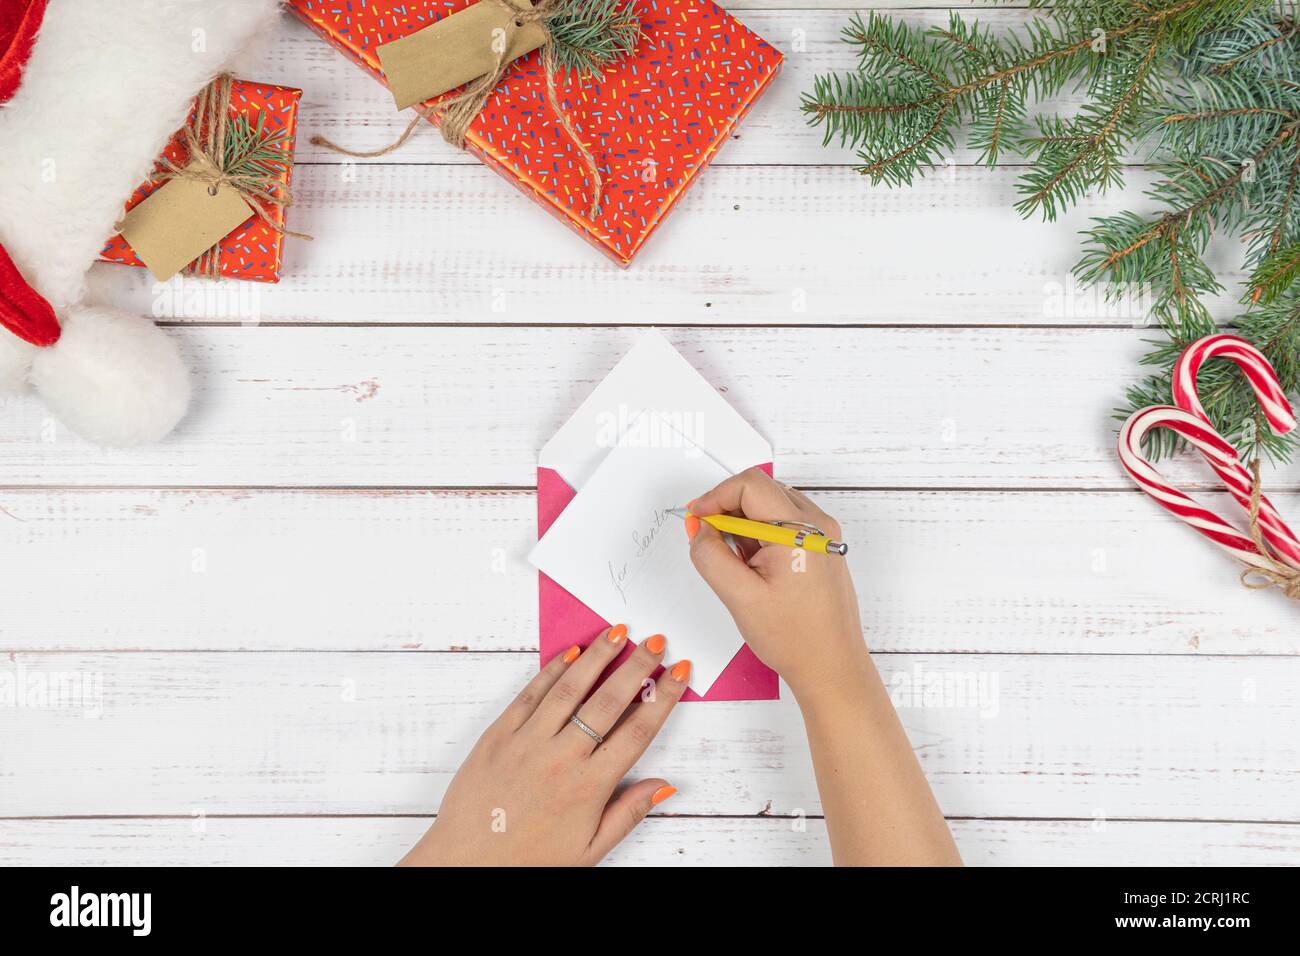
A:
[(652, 377)]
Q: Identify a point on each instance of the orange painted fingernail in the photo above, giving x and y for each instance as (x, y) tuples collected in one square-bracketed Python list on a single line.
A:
[(692, 527), (572, 653), (662, 794), (617, 633), (681, 670), (655, 645)]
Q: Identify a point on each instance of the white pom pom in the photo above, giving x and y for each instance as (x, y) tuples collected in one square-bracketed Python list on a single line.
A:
[(112, 378), (15, 363)]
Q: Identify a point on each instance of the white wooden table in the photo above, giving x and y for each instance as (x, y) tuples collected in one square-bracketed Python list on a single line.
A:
[(301, 609)]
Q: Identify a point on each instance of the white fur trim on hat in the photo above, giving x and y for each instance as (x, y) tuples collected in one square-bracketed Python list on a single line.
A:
[(15, 362), (113, 378)]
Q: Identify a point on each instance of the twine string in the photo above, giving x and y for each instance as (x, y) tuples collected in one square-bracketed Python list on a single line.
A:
[(1281, 576), (459, 111)]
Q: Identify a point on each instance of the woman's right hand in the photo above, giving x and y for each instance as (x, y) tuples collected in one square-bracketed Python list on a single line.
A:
[(798, 611), (795, 608)]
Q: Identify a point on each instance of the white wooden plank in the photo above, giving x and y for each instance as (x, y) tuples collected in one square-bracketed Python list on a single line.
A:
[(1049, 736), (660, 840), (747, 245), (1117, 843), (346, 105), (471, 407), (269, 570)]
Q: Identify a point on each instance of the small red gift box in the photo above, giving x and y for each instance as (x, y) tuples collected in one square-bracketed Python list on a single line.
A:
[(252, 251), (653, 120)]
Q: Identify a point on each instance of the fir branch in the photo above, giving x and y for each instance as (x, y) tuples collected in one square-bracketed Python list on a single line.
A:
[(1276, 274), (1210, 87), (1286, 29), (1096, 160), (249, 149), (964, 71), (992, 142), (1166, 226), (1288, 200), (589, 35)]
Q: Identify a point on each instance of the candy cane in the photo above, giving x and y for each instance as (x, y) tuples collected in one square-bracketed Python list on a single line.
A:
[(1260, 374), (1217, 451), (1277, 409)]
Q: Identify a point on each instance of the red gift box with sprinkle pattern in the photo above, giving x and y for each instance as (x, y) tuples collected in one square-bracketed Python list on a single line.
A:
[(253, 250), (653, 120)]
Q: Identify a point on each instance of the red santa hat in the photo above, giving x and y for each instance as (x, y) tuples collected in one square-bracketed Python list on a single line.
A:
[(22, 311), (89, 95), (18, 22)]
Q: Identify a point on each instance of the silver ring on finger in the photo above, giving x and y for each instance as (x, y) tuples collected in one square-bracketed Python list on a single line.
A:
[(586, 728)]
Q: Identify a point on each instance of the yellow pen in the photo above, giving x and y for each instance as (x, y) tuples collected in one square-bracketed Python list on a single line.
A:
[(793, 534)]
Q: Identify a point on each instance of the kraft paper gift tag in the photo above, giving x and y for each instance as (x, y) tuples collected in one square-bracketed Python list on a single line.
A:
[(180, 221), (454, 51)]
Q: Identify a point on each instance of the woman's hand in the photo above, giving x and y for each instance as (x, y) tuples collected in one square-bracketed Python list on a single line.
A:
[(539, 791), (799, 613), (795, 608)]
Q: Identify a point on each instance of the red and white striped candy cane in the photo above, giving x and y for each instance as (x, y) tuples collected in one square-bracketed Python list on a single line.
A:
[(1259, 372), (1277, 409), (1217, 451)]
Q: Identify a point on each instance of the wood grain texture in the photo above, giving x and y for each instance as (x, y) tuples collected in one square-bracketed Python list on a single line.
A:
[(659, 841), (267, 676), (471, 407), (309, 570), (1047, 736), (407, 244)]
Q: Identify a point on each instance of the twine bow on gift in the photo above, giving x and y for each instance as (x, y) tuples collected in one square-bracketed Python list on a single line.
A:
[(1280, 576), (215, 158), (459, 111)]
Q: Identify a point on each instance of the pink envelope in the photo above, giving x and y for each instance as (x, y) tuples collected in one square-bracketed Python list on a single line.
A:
[(652, 376)]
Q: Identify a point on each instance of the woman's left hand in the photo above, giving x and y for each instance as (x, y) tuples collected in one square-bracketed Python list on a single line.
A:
[(539, 791)]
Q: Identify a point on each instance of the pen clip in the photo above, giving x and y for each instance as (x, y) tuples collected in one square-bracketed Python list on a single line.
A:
[(805, 530)]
